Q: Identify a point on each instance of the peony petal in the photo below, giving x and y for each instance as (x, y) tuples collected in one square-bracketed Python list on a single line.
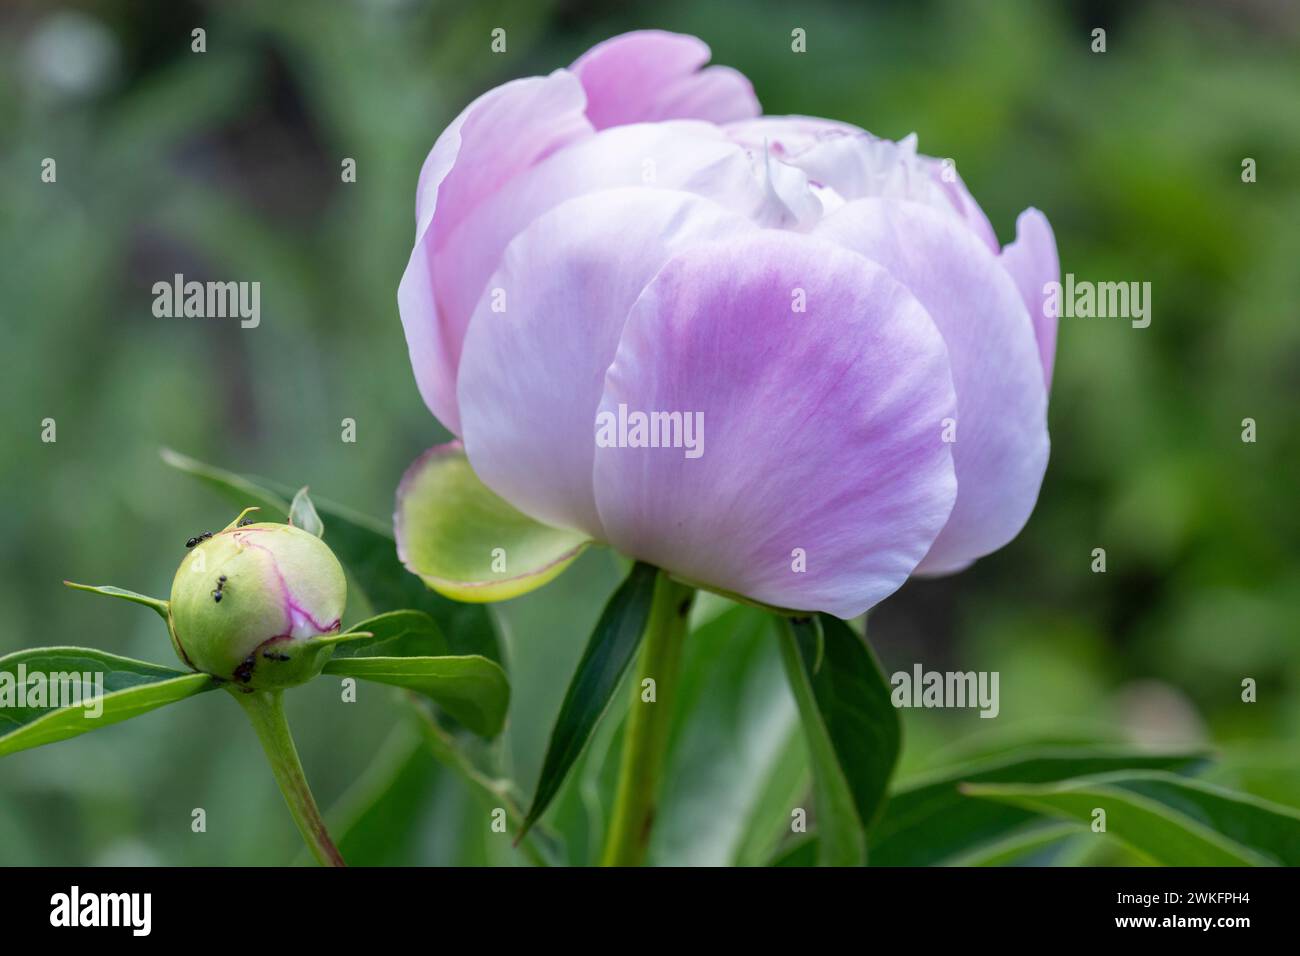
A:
[(1001, 446), (651, 75), (501, 133), (1033, 263), (497, 136), (531, 376), (682, 154), (854, 164), (821, 427)]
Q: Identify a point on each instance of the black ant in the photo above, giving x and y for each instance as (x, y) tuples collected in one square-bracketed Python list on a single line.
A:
[(191, 542), (221, 584), (245, 522)]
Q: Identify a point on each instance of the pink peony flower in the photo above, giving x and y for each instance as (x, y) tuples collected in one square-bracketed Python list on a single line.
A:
[(867, 367)]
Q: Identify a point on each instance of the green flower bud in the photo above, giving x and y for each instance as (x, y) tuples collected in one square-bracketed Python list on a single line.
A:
[(246, 601)]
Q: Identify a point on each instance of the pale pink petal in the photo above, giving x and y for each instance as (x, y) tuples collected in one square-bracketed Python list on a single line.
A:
[(1033, 263), (822, 478), (1001, 444), (652, 75), (679, 155), (503, 132), (531, 376), (854, 164), (498, 136)]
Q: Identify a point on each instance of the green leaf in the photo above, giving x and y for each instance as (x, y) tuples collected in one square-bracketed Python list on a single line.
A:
[(468, 543), (851, 726), (367, 549), (1019, 847), (540, 846), (931, 821), (384, 817), (805, 851), (394, 634), (472, 689), (129, 688), (158, 604), (302, 514), (240, 490), (377, 821), (737, 763), (1171, 820), (613, 644)]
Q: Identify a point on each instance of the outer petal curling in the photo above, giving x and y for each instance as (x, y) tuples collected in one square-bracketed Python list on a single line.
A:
[(1032, 262), (651, 75), (682, 154), (496, 137)]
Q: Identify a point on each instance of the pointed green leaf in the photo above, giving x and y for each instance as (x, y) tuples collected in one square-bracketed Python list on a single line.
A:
[(1171, 820), (472, 689), (158, 604), (931, 821), (393, 634), (613, 644), (377, 821), (805, 851), (851, 726), (69, 707), (302, 514), (237, 488), (467, 542), (366, 548), (1020, 846)]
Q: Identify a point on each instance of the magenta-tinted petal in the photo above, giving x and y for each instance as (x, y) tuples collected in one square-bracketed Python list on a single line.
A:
[(1032, 262), (1001, 444), (497, 136), (501, 133), (652, 75), (681, 155), (531, 376), (821, 428)]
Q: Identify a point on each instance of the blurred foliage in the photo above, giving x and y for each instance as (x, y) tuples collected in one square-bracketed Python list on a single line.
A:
[(225, 165)]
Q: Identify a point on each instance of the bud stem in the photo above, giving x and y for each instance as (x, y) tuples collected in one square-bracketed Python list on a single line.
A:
[(266, 711), (645, 742)]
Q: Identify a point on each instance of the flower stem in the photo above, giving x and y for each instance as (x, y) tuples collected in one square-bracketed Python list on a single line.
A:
[(645, 741), (266, 711)]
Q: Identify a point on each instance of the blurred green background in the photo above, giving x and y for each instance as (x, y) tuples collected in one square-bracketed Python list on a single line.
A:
[(225, 165)]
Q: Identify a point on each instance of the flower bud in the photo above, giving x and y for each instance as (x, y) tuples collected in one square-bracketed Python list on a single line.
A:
[(246, 601)]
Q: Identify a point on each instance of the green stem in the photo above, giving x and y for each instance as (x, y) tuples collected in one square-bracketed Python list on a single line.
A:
[(266, 711), (645, 741), (446, 752)]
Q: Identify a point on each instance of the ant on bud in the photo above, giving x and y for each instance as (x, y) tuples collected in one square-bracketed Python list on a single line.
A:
[(220, 590), (191, 542)]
